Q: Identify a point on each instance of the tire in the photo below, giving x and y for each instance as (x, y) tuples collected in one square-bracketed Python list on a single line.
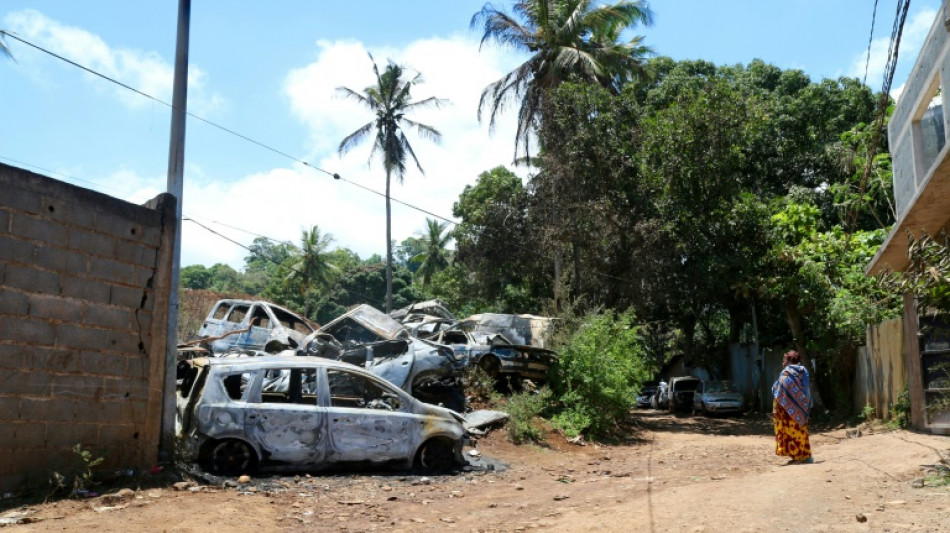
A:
[(491, 365), (231, 457), (434, 456)]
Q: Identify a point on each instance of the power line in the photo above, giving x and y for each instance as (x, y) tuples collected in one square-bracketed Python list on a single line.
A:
[(335, 176), (229, 239), (867, 62)]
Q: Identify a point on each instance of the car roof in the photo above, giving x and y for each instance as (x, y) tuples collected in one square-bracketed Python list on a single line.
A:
[(274, 361)]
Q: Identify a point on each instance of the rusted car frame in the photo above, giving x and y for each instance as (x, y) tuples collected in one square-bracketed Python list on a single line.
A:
[(238, 415)]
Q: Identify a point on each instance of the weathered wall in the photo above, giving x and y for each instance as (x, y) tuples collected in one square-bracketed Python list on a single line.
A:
[(84, 284), (881, 373)]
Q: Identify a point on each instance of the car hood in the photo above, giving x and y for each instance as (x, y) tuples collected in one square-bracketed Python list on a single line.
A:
[(722, 397)]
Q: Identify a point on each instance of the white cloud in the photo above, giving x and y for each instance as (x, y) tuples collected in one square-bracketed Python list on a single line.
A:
[(913, 36), (143, 70), (280, 202)]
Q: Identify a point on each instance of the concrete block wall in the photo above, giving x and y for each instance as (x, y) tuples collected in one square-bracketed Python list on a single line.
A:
[(84, 286)]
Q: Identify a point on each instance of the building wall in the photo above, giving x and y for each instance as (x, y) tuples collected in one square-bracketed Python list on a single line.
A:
[(84, 285), (881, 373)]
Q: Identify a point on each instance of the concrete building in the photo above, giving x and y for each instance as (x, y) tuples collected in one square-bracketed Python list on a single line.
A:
[(917, 134)]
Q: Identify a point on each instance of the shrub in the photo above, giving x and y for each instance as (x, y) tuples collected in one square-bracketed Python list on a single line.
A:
[(524, 410), (599, 374)]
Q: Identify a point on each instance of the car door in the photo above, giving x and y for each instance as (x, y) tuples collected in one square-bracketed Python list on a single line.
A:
[(285, 418), (368, 420)]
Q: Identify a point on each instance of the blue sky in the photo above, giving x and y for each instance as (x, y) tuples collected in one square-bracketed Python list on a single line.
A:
[(268, 70)]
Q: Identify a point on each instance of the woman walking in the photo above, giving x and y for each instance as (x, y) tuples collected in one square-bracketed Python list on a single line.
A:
[(790, 408)]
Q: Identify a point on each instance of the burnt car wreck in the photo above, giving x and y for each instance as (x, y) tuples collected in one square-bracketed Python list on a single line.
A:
[(246, 325), (367, 337), (279, 413), (509, 348)]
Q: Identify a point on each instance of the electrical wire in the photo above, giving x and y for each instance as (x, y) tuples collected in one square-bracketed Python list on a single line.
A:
[(867, 62), (229, 239), (335, 176)]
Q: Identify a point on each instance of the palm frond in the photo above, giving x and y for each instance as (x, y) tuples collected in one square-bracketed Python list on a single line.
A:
[(354, 138)]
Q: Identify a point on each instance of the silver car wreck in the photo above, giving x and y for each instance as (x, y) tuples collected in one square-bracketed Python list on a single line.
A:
[(498, 357), (247, 325), (367, 337), (239, 415)]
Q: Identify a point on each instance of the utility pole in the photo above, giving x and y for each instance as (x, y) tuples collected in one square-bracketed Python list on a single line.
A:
[(175, 186)]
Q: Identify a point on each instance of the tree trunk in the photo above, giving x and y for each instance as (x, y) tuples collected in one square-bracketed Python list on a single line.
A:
[(576, 249), (389, 249), (794, 318)]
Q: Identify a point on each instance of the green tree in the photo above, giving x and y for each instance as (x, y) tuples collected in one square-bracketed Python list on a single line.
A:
[(566, 38), (196, 277), (390, 99), (434, 257), (309, 269)]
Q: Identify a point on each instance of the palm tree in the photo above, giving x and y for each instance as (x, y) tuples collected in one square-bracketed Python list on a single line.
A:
[(435, 257), (390, 100), (309, 266), (566, 38)]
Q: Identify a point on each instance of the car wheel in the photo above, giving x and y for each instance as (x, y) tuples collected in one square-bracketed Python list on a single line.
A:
[(491, 365), (434, 456), (231, 458)]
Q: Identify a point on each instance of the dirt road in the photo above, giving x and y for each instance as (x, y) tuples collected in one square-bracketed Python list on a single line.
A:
[(683, 474)]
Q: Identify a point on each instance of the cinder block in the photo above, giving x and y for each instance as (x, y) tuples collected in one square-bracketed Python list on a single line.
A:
[(27, 330), (14, 250), (101, 363), (41, 410), (118, 435), (66, 435), (13, 302), (125, 296), (111, 270), (32, 280), (143, 277), (86, 289), (53, 360), (121, 388), (91, 243), (68, 213), (38, 229), (9, 411), (78, 336), (151, 235), (29, 435), (61, 260), (55, 307), (21, 199), (4, 221), (122, 342), (135, 253), (138, 367), (11, 356), (114, 412), (86, 388), (119, 227), (25, 383), (108, 316)]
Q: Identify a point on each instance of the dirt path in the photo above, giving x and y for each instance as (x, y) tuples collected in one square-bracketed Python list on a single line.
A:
[(685, 474)]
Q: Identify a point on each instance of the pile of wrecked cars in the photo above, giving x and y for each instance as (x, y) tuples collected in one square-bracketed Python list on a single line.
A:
[(509, 348), (261, 388)]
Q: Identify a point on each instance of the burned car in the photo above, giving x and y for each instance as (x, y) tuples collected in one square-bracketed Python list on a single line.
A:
[(498, 357), (238, 415), (680, 393), (367, 337), (247, 325)]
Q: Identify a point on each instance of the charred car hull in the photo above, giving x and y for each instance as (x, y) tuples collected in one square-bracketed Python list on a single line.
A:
[(303, 413)]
